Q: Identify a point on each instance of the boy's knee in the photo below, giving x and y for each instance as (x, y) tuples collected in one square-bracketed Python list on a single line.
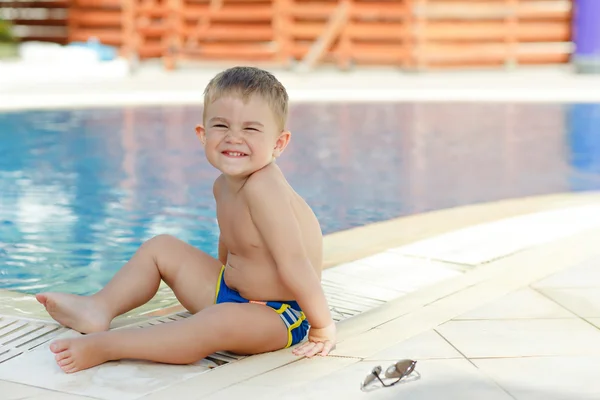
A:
[(162, 238), (160, 241)]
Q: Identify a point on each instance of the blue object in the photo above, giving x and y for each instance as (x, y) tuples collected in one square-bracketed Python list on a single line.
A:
[(586, 36), (105, 53)]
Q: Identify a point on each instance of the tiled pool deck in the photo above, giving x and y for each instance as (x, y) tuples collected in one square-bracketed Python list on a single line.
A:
[(493, 300)]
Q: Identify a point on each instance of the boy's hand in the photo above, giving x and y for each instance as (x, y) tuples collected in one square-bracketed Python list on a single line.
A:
[(320, 341)]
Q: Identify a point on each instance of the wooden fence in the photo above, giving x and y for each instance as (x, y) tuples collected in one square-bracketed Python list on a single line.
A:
[(409, 34)]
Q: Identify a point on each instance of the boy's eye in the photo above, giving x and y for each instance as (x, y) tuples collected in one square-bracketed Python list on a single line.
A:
[(252, 129), (220, 126)]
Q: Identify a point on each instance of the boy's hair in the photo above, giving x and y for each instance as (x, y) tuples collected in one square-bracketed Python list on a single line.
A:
[(246, 82)]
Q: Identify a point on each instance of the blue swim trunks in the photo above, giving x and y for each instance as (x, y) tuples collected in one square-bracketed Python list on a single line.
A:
[(290, 312)]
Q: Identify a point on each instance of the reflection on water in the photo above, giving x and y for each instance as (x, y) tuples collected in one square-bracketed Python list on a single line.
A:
[(81, 190)]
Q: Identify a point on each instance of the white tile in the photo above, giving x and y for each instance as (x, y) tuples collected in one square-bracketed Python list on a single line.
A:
[(245, 391), (302, 372), (524, 303), (487, 242), (16, 391), (393, 271), (121, 380), (584, 275), (584, 302), (425, 346), (545, 378), (358, 286), (440, 379), (518, 338), (594, 321)]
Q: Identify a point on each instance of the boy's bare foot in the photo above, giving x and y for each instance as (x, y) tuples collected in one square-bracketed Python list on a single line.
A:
[(80, 313), (77, 354)]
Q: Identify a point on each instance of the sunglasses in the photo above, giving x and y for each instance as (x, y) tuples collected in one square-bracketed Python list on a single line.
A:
[(398, 370)]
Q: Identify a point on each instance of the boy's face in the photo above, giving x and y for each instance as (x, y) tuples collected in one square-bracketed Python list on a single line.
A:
[(240, 138)]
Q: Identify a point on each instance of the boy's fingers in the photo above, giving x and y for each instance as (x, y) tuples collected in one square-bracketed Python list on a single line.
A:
[(305, 348), (316, 349), (327, 348)]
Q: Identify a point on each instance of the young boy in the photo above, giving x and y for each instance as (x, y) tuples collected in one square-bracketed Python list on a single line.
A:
[(264, 289)]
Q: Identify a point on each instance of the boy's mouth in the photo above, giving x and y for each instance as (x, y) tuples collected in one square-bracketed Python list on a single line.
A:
[(235, 154)]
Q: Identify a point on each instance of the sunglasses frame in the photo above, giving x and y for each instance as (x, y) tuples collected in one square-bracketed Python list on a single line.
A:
[(390, 372)]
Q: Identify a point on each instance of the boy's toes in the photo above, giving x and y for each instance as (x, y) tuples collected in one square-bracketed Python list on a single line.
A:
[(62, 355), (42, 298), (64, 362), (59, 346), (69, 369)]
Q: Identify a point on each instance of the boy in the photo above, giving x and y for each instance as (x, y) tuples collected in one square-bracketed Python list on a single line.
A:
[(265, 287)]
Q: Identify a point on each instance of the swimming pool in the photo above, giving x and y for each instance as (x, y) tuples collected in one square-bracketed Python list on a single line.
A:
[(80, 190)]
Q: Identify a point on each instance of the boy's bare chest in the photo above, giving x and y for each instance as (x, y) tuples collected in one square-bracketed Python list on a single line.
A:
[(236, 226)]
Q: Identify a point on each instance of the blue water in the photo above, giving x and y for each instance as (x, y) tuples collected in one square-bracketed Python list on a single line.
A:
[(81, 190)]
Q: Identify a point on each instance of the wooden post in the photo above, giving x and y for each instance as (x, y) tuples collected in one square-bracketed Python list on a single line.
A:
[(408, 23), (282, 20), (511, 39), (344, 48), (419, 19), (334, 27)]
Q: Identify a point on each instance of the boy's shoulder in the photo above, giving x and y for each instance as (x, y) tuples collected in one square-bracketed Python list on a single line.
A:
[(267, 181)]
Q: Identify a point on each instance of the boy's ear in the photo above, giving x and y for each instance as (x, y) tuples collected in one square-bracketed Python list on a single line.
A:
[(282, 141), (201, 133)]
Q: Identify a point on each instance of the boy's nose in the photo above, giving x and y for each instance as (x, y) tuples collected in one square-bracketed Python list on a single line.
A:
[(234, 137)]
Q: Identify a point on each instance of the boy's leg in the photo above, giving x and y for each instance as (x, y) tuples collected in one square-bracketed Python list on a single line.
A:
[(191, 273), (240, 328)]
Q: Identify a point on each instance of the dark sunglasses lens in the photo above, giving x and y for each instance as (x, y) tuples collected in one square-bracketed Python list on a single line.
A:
[(400, 369), (405, 367)]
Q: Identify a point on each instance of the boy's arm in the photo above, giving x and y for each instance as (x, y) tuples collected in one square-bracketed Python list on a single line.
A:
[(275, 220), (222, 251)]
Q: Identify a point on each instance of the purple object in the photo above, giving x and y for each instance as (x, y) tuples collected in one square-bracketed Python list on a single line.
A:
[(586, 36)]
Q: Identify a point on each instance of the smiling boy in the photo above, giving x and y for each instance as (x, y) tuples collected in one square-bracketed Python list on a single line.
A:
[(263, 290)]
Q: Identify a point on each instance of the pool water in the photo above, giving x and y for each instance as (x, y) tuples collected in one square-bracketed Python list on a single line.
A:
[(80, 190)]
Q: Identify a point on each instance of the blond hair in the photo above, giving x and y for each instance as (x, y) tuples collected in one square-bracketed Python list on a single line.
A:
[(246, 82)]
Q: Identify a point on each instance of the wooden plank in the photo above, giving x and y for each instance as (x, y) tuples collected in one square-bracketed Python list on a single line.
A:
[(384, 11), (334, 27), (322, 11), (97, 4), (152, 11), (376, 31), (355, 30), (312, 11), (109, 37), (235, 32), (492, 10), (40, 22), (241, 13), (35, 4), (496, 30), (152, 30), (49, 39), (543, 58), (93, 18), (228, 51)]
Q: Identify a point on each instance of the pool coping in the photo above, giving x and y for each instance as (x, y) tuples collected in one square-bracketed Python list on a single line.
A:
[(151, 86)]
